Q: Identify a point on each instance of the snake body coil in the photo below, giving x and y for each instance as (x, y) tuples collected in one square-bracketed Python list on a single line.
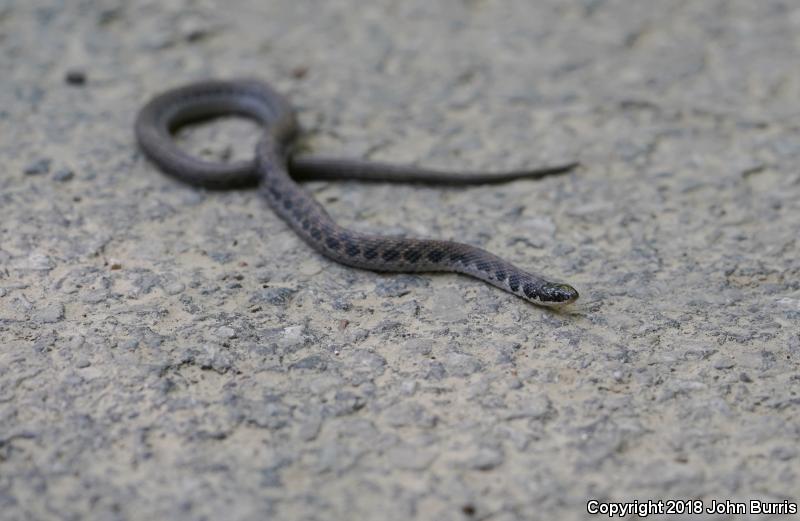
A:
[(270, 170)]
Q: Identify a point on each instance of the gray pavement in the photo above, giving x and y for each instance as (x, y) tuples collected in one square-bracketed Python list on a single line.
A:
[(171, 353)]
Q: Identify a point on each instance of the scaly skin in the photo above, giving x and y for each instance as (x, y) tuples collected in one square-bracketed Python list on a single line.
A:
[(270, 169)]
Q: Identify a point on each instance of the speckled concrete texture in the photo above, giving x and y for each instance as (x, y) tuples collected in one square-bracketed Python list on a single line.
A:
[(172, 353)]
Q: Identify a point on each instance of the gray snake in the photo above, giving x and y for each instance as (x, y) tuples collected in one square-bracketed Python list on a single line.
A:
[(270, 169)]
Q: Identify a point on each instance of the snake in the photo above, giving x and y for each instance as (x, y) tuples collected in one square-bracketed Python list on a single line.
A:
[(276, 170)]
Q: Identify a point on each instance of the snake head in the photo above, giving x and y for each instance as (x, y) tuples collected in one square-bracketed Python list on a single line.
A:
[(552, 294)]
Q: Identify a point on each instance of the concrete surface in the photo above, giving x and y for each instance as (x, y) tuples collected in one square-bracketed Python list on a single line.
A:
[(169, 353)]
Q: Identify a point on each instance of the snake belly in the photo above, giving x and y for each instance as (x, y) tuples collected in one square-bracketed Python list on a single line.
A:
[(270, 170)]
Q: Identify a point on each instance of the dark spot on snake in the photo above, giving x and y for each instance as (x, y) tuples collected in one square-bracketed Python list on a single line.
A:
[(513, 282), (529, 290), (315, 233), (351, 249), (332, 243), (458, 257), (371, 252), (412, 255), (483, 266), (275, 193), (306, 224), (500, 274), (390, 255), (435, 255), (287, 203)]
